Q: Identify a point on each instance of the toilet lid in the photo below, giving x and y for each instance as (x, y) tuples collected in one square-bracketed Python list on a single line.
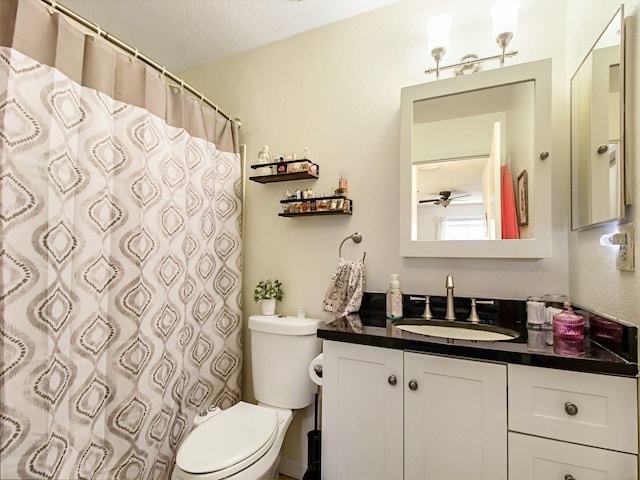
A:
[(236, 437)]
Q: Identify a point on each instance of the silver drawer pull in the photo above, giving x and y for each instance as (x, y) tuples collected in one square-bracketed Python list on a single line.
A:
[(413, 385), (568, 476), (392, 380), (571, 409)]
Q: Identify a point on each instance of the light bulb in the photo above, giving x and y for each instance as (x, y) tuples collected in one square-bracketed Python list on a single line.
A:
[(438, 30), (613, 239), (505, 20)]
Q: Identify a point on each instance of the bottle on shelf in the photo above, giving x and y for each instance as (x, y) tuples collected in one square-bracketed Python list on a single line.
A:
[(343, 184)]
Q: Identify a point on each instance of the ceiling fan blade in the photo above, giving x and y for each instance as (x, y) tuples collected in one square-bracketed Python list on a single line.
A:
[(433, 200), (460, 196)]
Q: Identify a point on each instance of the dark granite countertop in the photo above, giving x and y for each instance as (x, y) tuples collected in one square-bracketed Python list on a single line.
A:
[(533, 347)]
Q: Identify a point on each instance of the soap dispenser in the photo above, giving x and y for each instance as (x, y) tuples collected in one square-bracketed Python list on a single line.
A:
[(394, 298)]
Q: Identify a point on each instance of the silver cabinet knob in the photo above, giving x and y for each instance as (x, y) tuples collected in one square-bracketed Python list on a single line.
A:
[(571, 408), (603, 148), (544, 155), (392, 380), (413, 385), (568, 476)]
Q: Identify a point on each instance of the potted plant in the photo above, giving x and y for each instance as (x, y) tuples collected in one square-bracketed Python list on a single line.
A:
[(268, 291)]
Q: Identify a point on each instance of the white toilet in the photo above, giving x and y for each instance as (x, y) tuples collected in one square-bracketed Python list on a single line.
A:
[(243, 442)]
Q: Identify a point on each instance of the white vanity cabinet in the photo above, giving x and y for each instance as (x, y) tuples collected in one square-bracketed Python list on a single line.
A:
[(571, 425), (389, 414), (455, 418), (361, 412)]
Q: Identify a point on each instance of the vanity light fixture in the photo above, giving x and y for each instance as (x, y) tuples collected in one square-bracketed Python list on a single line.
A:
[(438, 30), (505, 26), (505, 23)]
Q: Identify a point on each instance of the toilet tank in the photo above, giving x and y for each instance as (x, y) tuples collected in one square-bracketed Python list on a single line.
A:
[(281, 350)]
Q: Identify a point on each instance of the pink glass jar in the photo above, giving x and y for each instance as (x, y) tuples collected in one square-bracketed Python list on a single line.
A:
[(568, 325)]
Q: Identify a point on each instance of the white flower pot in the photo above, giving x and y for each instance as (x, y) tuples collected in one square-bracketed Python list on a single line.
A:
[(269, 306)]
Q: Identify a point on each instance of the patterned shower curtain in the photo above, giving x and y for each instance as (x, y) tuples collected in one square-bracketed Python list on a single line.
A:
[(120, 260)]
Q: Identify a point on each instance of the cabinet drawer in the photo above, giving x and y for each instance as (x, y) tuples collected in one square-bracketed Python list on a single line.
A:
[(533, 458), (585, 408)]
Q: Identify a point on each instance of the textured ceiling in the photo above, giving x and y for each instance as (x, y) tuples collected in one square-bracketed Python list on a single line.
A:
[(183, 34)]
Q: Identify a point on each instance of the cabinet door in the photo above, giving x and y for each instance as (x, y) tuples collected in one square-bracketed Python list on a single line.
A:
[(455, 419), (361, 412), (534, 458)]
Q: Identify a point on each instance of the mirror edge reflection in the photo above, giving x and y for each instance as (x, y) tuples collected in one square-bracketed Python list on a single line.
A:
[(624, 197), (538, 247)]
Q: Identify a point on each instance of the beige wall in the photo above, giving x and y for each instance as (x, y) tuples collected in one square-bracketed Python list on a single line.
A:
[(594, 281), (337, 90)]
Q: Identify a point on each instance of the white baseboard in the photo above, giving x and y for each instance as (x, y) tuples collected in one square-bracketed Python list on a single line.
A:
[(292, 469)]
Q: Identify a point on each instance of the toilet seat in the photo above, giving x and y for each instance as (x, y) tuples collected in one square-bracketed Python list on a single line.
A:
[(229, 441)]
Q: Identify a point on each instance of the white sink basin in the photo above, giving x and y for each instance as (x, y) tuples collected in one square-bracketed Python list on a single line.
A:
[(484, 333)]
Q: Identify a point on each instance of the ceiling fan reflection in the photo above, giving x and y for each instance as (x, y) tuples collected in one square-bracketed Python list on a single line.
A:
[(444, 198)]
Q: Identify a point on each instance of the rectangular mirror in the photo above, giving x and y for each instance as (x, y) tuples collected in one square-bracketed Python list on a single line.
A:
[(457, 160), (472, 182), (597, 131)]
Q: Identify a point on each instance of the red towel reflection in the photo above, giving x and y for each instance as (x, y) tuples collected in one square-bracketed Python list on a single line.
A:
[(508, 205)]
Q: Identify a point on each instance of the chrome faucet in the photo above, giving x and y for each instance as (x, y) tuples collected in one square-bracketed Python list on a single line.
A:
[(451, 310)]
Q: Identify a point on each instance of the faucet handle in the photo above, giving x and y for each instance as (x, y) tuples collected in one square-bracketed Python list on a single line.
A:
[(473, 316), (485, 302), (427, 309)]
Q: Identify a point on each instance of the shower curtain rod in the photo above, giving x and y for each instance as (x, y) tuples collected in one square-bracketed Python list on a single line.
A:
[(451, 159), (54, 5)]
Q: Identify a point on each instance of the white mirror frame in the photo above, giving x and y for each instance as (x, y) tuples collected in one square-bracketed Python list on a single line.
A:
[(540, 176)]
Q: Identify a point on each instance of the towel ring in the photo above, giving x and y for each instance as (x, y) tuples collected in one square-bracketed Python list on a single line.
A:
[(357, 238)]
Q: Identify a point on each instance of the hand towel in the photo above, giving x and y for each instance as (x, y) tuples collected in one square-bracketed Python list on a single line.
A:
[(345, 289)]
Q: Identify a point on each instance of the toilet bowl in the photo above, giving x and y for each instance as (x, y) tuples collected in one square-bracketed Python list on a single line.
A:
[(244, 441)]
